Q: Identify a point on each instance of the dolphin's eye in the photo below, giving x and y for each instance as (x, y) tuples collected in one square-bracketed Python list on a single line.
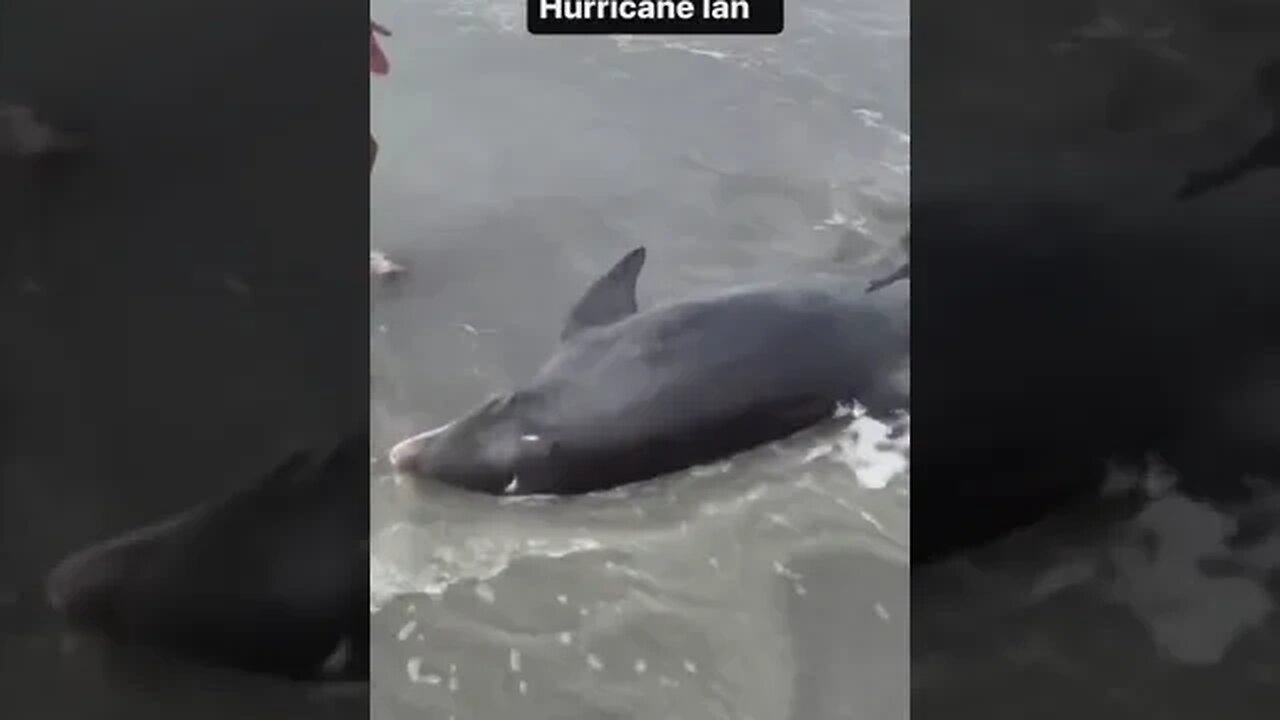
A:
[(534, 444)]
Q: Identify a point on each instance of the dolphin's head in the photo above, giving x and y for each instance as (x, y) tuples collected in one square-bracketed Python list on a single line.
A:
[(482, 451)]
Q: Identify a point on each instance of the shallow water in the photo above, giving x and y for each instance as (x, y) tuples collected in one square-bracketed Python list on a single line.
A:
[(516, 169), (1168, 611)]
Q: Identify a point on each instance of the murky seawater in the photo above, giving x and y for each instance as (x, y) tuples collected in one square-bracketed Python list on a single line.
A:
[(513, 171), (1164, 608)]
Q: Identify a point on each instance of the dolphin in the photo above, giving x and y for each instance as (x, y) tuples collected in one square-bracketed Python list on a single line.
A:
[(632, 394), (272, 578)]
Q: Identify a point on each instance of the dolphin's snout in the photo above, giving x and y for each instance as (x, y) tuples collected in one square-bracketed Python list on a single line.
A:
[(403, 455)]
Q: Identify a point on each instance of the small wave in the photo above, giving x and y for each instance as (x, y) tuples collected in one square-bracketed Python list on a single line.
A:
[(769, 490), (398, 565), (1194, 576)]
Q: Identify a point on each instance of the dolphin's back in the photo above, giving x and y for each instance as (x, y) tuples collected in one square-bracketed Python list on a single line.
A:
[(697, 380)]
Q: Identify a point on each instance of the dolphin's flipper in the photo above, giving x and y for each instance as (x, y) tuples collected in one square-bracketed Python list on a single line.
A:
[(609, 299)]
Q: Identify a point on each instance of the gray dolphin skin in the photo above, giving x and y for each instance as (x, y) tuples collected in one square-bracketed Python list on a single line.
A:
[(630, 395), (271, 579)]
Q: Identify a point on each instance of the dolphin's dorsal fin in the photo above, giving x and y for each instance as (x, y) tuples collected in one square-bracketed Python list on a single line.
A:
[(609, 299)]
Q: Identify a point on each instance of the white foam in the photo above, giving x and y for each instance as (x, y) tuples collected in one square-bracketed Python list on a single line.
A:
[(1194, 615), (1178, 565)]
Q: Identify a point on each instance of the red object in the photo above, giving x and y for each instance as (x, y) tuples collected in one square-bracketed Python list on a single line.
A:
[(378, 63)]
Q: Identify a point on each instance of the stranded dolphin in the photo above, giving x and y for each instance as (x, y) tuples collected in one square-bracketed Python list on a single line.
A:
[(272, 578), (630, 395)]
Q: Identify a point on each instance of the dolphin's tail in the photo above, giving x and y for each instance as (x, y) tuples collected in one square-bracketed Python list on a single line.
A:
[(901, 273), (1264, 154)]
